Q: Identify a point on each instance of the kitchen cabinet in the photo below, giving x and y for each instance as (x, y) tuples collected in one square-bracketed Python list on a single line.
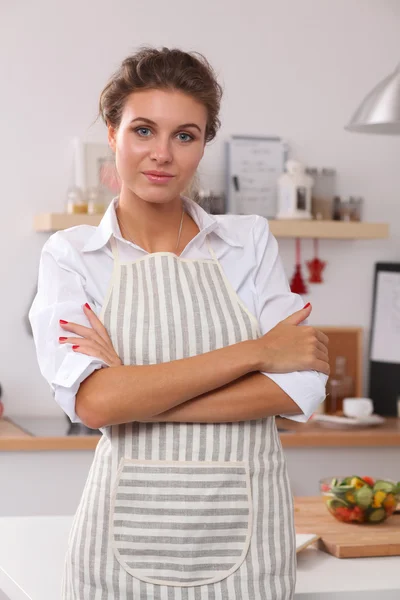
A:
[(46, 475), (32, 551)]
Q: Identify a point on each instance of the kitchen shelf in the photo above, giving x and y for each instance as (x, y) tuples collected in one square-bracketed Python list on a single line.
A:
[(55, 221), (337, 230)]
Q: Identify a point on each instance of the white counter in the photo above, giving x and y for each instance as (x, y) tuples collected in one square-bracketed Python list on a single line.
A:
[(32, 553)]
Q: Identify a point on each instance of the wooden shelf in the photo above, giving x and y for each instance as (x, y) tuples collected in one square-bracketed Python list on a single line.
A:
[(55, 221), (336, 230)]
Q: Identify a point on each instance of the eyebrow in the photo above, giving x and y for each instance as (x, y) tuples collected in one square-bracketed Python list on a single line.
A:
[(150, 122)]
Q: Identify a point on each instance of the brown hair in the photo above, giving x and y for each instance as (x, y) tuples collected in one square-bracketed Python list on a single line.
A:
[(171, 69)]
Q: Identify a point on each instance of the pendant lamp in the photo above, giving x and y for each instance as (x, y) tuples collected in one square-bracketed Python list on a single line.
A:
[(379, 112)]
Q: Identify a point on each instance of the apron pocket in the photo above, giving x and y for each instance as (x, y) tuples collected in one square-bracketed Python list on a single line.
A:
[(181, 523)]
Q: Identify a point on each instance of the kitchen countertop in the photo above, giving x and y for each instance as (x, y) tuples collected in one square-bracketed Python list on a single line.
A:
[(54, 433), (32, 551)]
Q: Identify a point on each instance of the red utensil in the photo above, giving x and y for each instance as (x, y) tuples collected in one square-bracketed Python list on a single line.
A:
[(297, 284)]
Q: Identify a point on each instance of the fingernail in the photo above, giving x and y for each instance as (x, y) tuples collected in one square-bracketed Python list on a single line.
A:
[(307, 305), (75, 347), (87, 306), (63, 322), (62, 339)]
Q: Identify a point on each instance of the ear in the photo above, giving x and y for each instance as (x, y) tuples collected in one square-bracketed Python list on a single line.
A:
[(111, 136), (204, 147)]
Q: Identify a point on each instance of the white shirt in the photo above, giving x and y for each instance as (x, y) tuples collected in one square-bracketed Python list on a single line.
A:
[(76, 267)]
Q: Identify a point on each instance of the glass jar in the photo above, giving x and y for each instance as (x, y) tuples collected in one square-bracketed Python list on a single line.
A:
[(323, 192), (96, 203), (340, 385), (76, 203), (345, 210), (355, 207)]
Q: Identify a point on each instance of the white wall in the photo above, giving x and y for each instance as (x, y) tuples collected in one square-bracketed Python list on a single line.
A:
[(290, 68)]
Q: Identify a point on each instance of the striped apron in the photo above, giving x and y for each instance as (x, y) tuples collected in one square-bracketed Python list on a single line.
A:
[(181, 511)]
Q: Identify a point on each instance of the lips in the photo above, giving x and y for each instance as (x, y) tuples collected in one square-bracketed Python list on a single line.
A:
[(158, 177), (158, 173)]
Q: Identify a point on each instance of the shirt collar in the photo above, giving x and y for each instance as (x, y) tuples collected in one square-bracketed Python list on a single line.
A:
[(206, 223)]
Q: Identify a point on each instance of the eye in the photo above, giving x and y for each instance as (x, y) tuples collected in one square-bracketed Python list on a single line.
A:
[(140, 130), (188, 137)]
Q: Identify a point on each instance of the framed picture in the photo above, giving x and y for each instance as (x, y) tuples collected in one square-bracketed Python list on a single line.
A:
[(384, 349)]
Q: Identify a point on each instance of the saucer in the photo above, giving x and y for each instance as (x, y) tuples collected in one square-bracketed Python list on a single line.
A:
[(351, 422)]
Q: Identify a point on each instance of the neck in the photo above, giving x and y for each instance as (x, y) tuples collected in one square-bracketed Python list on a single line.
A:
[(153, 226)]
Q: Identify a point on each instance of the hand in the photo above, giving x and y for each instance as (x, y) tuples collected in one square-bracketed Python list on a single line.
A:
[(288, 347), (94, 341)]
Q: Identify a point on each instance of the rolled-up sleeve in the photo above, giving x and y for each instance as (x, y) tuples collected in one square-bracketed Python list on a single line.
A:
[(275, 302), (60, 295)]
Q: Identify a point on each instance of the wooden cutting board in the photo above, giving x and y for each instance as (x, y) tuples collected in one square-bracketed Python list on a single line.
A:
[(346, 540)]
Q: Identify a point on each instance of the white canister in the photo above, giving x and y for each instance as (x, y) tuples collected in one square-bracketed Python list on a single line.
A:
[(294, 192)]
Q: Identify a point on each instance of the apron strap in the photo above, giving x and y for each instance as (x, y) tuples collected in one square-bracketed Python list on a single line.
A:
[(114, 249), (211, 251)]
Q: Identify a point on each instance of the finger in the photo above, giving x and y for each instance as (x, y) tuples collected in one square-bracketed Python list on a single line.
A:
[(95, 322), (85, 332), (299, 316), (322, 348), (70, 340), (322, 366), (93, 350), (322, 337)]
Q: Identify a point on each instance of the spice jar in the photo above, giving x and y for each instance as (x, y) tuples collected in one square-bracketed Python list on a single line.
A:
[(76, 203), (96, 203), (323, 192), (355, 203)]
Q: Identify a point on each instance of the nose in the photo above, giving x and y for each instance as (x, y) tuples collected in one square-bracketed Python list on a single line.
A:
[(161, 151)]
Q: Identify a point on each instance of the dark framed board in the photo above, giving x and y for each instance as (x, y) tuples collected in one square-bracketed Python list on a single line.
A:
[(384, 347)]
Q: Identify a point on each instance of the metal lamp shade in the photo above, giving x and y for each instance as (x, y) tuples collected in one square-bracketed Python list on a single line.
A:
[(380, 110)]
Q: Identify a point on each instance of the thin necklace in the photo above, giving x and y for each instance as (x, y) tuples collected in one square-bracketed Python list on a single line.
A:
[(179, 233)]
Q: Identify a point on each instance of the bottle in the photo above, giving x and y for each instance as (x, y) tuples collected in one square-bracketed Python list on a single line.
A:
[(340, 385), (336, 208)]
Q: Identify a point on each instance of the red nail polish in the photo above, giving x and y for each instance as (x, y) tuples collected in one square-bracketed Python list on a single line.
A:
[(75, 347), (62, 339), (63, 322), (87, 306), (307, 305)]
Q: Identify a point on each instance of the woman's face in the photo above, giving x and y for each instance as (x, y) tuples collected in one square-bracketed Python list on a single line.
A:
[(160, 131)]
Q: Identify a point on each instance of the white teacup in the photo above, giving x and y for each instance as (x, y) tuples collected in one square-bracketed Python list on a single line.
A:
[(358, 407)]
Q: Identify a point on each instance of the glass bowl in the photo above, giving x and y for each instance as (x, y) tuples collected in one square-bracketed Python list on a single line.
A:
[(355, 499)]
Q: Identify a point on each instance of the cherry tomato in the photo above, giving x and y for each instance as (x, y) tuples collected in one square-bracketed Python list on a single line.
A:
[(369, 480)]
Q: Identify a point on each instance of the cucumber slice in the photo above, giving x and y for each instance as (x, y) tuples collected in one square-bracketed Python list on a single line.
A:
[(334, 503), (384, 486), (377, 515), (334, 482), (364, 496), (343, 489), (346, 481)]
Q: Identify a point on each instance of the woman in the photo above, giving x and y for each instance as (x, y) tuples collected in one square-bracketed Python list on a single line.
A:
[(181, 343)]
